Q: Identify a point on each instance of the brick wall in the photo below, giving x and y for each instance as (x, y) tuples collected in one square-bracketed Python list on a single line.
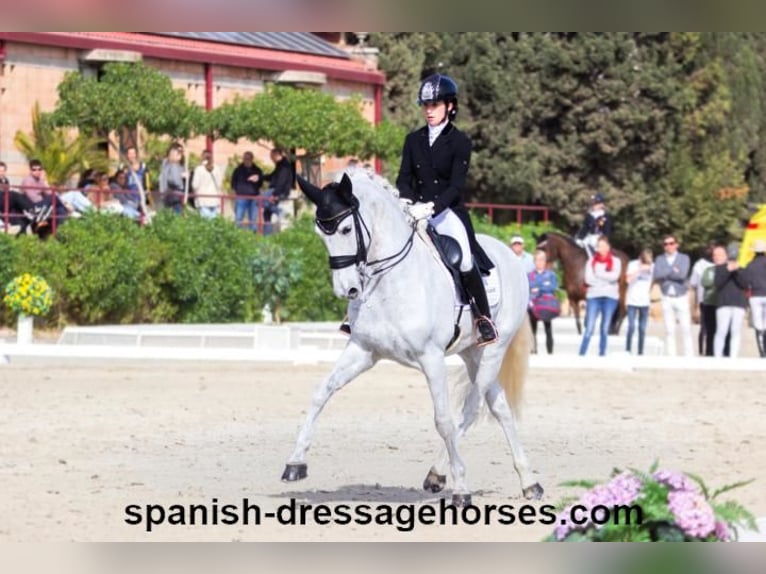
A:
[(32, 73)]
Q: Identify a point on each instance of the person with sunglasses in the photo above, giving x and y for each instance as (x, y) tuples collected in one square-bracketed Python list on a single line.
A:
[(35, 185), (671, 271)]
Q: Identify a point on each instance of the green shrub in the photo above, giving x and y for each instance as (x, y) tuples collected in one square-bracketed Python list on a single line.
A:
[(311, 298), (205, 268), (276, 273), (528, 231), (8, 256), (46, 259), (106, 269), (104, 266)]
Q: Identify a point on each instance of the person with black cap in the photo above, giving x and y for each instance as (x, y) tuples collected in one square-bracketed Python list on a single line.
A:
[(597, 223), (432, 178)]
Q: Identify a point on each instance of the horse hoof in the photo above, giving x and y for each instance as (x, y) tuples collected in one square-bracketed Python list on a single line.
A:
[(461, 500), (434, 482), (295, 471), (533, 492)]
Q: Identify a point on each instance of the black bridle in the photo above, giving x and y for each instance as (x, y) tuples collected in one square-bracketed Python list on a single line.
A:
[(330, 225)]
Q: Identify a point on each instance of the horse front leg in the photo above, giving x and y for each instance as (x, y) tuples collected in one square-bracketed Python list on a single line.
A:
[(353, 361), (436, 479), (576, 309), (435, 369)]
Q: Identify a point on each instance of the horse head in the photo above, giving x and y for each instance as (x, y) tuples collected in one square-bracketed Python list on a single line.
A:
[(339, 225)]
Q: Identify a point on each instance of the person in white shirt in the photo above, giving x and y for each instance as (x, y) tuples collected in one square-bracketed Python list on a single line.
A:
[(206, 185), (638, 298), (517, 246)]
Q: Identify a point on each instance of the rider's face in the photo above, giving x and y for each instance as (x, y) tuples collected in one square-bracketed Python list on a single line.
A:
[(435, 112)]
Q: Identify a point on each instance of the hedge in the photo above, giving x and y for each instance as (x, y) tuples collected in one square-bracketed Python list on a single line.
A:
[(106, 270)]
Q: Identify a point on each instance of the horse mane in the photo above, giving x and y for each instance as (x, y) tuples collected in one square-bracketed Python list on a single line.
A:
[(364, 175)]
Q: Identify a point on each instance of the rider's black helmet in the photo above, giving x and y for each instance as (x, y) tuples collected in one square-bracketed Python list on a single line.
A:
[(439, 88)]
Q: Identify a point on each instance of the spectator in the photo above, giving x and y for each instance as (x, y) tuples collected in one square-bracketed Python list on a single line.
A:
[(173, 179), (129, 200), (597, 223), (731, 301), (638, 298), (755, 277), (527, 261), (5, 184), (137, 172), (35, 185), (246, 182), (281, 182), (75, 200), (542, 281), (671, 271), (706, 311), (38, 201), (602, 277), (207, 181), (8, 216)]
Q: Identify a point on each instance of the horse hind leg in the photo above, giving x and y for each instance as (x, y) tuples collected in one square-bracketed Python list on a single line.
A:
[(512, 368), (501, 410), (352, 362)]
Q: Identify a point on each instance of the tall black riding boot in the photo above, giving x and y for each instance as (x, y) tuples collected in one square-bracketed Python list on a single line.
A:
[(474, 285)]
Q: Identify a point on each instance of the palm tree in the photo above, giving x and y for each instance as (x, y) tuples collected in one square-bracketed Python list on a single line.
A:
[(62, 154)]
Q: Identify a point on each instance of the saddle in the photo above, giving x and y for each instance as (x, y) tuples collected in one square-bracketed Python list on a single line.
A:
[(451, 255)]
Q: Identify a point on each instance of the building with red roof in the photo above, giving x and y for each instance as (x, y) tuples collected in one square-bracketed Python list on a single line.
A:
[(212, 67)]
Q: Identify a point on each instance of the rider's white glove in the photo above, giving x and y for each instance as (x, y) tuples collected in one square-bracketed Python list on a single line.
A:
[(420, 211), (405, 203)]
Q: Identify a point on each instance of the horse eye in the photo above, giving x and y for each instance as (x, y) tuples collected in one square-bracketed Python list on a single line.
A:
[(346, 230)]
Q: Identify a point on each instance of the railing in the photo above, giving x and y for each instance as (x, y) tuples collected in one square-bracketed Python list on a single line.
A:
[(519, 209), (105, 198)]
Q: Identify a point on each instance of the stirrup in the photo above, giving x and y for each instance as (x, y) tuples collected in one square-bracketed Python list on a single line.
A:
[(487, 331)]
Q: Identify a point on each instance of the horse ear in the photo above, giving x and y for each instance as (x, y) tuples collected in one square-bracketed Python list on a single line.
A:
[(345, 190), (311, 190)]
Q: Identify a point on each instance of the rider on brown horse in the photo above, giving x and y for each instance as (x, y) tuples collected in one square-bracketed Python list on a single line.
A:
[(597, 222)]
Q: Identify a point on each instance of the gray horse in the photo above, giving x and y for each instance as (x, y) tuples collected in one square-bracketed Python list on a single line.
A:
[(403, 307)]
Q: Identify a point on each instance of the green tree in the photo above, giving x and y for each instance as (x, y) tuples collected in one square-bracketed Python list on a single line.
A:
[(297, 119), (126, 96), (63, 154)]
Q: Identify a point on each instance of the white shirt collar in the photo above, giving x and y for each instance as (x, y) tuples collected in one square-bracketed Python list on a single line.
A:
[(434, 131)]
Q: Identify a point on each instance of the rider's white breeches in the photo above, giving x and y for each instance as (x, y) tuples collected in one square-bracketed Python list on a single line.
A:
[(447, 223)]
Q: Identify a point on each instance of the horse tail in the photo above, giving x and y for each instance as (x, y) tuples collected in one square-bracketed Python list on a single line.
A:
[(515, 366)]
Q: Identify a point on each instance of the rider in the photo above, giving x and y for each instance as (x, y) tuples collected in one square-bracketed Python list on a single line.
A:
[(597, 223), (433, 171)]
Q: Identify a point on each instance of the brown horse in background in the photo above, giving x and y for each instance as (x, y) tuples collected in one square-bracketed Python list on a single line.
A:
[(572, 257)]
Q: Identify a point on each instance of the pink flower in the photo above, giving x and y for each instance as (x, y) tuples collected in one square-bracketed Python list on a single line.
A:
[(675, 480), (722, 531), (623, 489), (692, 513)]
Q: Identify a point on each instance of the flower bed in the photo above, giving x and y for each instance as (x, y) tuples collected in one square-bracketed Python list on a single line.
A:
[(674, 507)]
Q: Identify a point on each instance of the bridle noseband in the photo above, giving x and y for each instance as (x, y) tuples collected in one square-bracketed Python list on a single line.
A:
[(330, 225)]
